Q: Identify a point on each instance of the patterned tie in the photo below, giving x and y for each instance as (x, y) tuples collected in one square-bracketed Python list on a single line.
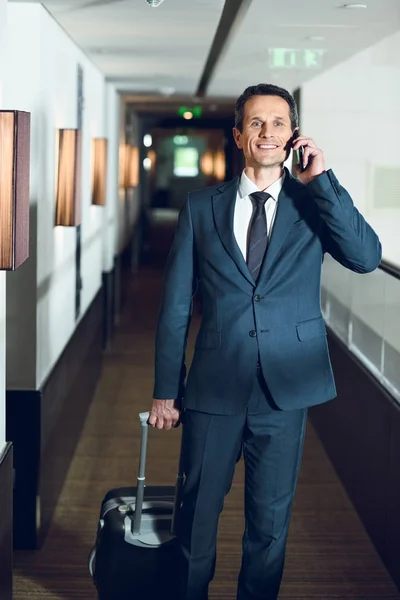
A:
[(257, 234)]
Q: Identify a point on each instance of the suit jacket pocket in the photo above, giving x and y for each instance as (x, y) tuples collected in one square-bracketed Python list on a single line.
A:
[(208, 339), (306, 330)]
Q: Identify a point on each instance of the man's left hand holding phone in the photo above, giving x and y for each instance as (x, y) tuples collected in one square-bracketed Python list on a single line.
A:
[(311, 162)]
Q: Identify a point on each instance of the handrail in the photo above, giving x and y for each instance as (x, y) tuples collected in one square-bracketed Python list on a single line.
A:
[(390, 268)]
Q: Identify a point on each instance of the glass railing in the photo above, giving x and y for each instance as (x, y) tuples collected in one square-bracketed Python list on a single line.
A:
[(364, 312)]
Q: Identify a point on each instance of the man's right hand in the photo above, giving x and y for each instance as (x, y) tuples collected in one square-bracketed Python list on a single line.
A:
[(164, 414)]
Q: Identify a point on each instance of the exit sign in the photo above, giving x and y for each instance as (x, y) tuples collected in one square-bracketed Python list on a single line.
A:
[(295, 58), (196, 111)]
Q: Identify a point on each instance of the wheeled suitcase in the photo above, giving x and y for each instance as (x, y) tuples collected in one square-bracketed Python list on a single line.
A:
[(136, 553)]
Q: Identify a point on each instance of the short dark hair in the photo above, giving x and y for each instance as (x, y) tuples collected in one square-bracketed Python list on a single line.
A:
[(265, 89)]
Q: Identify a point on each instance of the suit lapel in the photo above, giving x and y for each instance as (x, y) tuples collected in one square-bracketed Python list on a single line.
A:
[(223, 203), (286, 215)]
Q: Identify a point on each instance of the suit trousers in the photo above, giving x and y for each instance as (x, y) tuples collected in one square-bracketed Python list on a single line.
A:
[(271, 441)]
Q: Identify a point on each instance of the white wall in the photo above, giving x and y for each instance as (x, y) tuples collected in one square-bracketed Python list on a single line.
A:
[(20, 93), (3, 18), (44, 82), (353, 112)]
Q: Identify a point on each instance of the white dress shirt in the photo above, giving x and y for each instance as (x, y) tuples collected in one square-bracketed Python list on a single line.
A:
[(244, 209)]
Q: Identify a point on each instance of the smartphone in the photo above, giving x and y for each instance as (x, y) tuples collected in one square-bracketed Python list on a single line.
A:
[(300, 152)]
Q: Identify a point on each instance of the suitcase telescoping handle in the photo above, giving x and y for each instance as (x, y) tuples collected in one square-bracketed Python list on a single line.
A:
[(141, 480)]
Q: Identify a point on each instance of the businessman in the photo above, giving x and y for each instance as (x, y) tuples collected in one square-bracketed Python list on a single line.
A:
[(256, 245)]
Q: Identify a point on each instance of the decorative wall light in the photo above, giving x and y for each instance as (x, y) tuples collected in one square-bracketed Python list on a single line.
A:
[(207, 163), (219, 166), (14, 188), (149, 163), (129, 166), (99, 171), (68, 211)]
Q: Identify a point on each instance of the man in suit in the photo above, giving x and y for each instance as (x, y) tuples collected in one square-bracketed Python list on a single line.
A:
[(256, 244)]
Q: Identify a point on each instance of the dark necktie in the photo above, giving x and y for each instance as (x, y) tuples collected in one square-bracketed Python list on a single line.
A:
[(257, 234)]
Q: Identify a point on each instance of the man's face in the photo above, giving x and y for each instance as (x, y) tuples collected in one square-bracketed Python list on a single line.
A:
[(266, 131)]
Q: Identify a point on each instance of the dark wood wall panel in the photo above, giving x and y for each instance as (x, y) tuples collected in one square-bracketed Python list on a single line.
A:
[(46, 437), (6, 520), (392, 551), (360, 430), (79, 373)]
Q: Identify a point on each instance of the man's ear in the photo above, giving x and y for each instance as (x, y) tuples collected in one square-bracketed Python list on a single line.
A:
[(237, 136)]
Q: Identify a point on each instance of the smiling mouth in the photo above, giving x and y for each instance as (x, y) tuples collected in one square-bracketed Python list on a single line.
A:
[(267, 146)]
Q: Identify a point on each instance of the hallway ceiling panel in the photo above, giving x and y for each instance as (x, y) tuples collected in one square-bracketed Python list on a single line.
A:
[(144, 48), (163, 51), (280, 42)]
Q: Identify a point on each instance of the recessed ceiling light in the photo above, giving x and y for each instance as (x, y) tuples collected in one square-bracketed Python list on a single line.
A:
[(167, 90), (354, 6)]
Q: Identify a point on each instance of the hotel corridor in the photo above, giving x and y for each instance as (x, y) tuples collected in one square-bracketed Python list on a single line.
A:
[(329, 554)]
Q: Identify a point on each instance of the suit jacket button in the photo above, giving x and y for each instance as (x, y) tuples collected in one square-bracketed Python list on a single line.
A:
[(257, 298), (253, 333)]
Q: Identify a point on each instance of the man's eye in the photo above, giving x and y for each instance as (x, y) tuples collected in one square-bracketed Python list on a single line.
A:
[(256, 124), (278, 123)]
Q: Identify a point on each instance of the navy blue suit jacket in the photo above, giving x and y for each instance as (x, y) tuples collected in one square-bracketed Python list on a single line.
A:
[(278, 320)]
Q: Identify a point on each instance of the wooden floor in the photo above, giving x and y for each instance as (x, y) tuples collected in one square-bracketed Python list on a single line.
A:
[(329, 554)]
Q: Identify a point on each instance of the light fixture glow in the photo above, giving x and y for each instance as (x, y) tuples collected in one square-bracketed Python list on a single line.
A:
[(188, 115), (99, 171), (147, 164), (167, 91), (147, 140), (354, 6), (68, 211), (129, 166), (219, 166), (152, 156), (207, 164), (181, 140), (14, 188)]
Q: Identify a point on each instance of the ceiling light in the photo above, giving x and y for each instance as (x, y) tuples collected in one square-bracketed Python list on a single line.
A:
[(167, 90), (181, 140), (187, 115), (354, 6), (147, 140), (154, 3)]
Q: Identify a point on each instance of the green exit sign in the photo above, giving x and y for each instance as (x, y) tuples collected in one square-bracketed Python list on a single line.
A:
[(295, 58), (196, 111)]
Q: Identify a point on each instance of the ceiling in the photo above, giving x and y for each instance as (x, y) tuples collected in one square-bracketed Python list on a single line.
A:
[(162, 52), (255, 48)]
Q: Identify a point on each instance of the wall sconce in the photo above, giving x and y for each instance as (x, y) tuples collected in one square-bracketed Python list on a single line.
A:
[(129, 166), (207, 164), (219, 166), (68, 211), (99, 171), (14, 188)]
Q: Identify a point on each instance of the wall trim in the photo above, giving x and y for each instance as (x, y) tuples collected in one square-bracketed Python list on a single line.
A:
[(6, 522), (53, 416), (360, 430)]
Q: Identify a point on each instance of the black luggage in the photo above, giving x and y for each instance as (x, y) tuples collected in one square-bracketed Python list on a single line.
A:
[(136, 552)]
